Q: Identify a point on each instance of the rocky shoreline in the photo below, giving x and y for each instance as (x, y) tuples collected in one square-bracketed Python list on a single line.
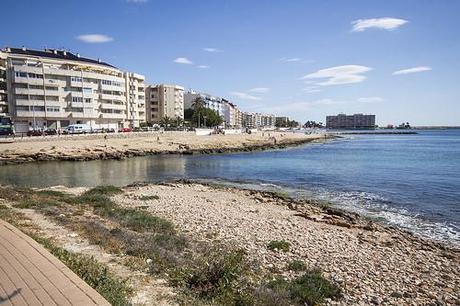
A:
[(98, 147), (373, 264)]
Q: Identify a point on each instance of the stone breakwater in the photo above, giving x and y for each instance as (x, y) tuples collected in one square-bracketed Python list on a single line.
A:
[(120, 146), (372, 263)]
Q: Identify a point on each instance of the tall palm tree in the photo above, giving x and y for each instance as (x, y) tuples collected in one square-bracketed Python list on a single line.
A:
[(198, 104)]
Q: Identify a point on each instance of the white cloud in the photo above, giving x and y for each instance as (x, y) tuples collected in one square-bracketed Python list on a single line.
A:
[(137, 1), (370, 100), (290, 59), (338, 75), (94, 38), (202, 66), (311, 89), (260, 90), (244, 96), (412, 70), (386, 23), (212, 50), (183, 60)]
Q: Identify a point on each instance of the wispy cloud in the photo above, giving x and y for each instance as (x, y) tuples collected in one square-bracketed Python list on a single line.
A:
[(311, 89), (137, 1), (290, 59), (212, 50), (412, 70), (386, 23), (202, 66), (183, 60), (260, 90), (370, 100), (303, 106), (94, 38), (338, 75), (244, 96)]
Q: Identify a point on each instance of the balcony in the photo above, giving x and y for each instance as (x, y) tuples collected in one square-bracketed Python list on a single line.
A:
[(112, 97), (112, 116), (113, 106), (29, 114)]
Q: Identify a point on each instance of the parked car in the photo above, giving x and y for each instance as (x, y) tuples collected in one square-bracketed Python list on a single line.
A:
[(78, 129), (126, 130), (50, 132), (34, 133)]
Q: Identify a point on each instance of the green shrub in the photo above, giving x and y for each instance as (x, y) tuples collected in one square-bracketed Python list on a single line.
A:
[(218, 276), (279, 245), (309, 289), (297, 265), (148, 198)]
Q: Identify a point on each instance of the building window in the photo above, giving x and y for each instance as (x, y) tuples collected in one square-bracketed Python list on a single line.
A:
[(88, 100), (77, 99), (21, 74), (52, 109), (76, 79)]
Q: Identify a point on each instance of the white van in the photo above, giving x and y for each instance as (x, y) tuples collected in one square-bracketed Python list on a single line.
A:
[(78, 129)]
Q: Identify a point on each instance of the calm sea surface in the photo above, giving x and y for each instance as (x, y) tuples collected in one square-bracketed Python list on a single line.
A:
[(412, 181)]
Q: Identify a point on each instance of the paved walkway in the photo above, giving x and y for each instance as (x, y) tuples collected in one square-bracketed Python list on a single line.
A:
[(30, 275)]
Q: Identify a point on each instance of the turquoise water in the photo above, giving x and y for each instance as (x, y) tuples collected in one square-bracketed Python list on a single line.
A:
[(411, 181)]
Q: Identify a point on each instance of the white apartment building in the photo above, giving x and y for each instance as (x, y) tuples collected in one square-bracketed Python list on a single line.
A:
[(258, 121), (164, 101), (55, 88), (229, 112)]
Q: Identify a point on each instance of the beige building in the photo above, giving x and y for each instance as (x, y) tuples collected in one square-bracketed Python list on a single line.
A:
[(56, 88), (164, 101)]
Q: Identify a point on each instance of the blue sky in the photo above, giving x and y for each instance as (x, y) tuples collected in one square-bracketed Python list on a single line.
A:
[(306, 59)]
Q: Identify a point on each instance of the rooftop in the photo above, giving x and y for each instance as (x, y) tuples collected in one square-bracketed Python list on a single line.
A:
[(55, 54)]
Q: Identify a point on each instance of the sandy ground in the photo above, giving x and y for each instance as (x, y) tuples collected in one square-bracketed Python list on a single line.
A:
[(116, 146)]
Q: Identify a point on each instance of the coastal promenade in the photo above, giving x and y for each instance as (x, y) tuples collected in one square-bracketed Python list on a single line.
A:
[(30, 275), (124, 145)]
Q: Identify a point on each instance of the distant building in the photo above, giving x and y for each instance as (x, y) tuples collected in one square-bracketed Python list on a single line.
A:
[(258, 120), (356, 121), (231, 115), (52, 89), (164, 101)]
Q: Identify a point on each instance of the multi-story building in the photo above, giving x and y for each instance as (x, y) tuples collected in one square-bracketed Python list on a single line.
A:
[(231, 115), (356, 121), (55, 88), (164, 101), (258, 120)]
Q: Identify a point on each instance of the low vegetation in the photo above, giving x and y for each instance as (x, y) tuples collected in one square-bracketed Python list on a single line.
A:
[(279, 245), (115, 291), (204, 273), (297, 265)]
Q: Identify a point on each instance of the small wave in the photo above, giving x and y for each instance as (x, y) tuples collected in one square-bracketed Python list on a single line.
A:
[(384, 210)]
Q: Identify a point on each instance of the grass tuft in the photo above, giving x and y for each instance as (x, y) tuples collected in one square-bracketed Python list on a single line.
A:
[(297, 265), (279, 245), (309, 289)]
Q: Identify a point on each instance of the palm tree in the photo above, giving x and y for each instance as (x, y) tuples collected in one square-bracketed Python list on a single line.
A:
[(198, 104), (165, 121)]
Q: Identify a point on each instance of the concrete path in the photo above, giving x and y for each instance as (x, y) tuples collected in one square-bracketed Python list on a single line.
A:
[(30, 275)]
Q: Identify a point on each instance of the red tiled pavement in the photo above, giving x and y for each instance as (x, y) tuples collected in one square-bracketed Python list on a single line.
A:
[(30, 275)]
